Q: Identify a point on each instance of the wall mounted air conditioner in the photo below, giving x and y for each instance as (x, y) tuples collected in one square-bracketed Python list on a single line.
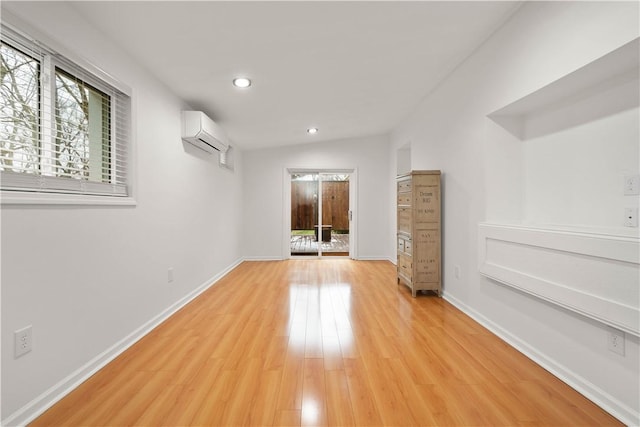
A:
[(204, 133)]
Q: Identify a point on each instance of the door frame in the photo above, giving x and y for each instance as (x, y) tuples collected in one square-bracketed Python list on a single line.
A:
[(286, 210)]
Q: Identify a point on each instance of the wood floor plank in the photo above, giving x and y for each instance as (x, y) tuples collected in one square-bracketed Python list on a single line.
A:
[(389, 398), (211, 407), (365, 410), (243, 395), (420, 411), (290, 393), (434, 400), (263, 408), (275, 353), (330, 342), (115, 395), (339, 406), (314, 395), (287, 418), (160, 407), (135, 407), (195, 393)]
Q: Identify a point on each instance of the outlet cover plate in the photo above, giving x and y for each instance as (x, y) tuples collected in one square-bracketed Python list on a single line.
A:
[(616, 341), (23, 341), (631, 217), (631, 185)]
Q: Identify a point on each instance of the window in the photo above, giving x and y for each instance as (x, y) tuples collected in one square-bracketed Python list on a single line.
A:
[(62, 128)]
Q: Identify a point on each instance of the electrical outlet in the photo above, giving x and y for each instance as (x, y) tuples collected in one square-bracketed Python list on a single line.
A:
[(170, 275), (630, 217), (456, 271), (22, 339), (631, 185), (616, 341)]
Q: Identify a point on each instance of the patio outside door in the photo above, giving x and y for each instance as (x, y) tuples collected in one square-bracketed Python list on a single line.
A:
[(320, 215)]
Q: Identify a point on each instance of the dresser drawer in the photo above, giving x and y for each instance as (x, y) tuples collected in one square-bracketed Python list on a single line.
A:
[(404, 186), (408, 246), (405, 266), (404, 199), (404, 220), (404, 244)]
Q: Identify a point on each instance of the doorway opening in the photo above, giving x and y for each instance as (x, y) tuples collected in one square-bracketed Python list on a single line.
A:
[(320, 214)]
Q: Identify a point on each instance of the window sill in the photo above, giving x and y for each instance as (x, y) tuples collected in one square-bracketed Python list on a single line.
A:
[(34, 198)]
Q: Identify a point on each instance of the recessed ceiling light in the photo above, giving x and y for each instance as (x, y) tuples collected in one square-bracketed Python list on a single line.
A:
[(241, 82), (312, 131)]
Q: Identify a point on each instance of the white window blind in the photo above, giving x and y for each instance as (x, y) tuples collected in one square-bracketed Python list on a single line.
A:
[(62, 129)]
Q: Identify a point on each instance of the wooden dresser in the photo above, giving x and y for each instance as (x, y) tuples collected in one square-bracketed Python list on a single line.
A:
[(419, 231)]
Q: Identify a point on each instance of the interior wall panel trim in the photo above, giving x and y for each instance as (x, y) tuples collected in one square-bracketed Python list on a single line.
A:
[(594, 274)]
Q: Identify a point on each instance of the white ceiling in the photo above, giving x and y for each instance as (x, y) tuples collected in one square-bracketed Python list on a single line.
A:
[(349, 68)]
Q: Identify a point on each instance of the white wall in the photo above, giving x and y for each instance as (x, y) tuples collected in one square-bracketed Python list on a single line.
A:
[(86, 277), (576, 176), (485, 178), (264, 192)]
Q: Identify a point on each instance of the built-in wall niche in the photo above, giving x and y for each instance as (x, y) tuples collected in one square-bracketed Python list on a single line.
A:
[(604, 87), (569, 146), (565, 241)]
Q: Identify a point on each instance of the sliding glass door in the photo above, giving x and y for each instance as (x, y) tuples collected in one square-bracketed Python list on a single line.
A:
[(320, 214), (305, 208)]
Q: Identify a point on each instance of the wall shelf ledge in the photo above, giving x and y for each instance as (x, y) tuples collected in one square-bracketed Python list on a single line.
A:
[(604, 87)]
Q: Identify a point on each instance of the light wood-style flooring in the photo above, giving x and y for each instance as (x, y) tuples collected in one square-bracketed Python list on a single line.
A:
[(330, 342)]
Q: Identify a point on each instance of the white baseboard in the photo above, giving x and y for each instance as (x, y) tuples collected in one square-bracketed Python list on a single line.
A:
[(592, 392), (375, 258), (365, 258), (37, 406), (262, 258)]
